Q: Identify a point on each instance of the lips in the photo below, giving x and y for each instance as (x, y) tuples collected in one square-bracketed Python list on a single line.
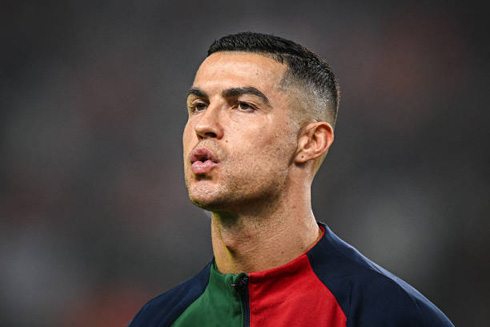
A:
[(202, 161)]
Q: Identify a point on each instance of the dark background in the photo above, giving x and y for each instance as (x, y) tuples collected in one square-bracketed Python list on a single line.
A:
[(94, 213)]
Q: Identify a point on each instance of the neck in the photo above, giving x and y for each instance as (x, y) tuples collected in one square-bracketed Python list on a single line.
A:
[(264, 239)]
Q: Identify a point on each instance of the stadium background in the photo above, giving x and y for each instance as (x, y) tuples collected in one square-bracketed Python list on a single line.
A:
[(94, 213)]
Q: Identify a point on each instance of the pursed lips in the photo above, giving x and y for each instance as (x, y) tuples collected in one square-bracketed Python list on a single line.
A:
[(202, 161)]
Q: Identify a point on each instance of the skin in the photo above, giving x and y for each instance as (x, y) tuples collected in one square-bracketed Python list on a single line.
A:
[(259, 191)]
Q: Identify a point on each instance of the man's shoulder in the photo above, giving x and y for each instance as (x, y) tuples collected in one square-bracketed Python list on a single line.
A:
[(169, 305), (368, 294)]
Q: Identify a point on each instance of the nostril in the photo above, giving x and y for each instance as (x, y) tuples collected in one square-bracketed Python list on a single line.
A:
[(207, 135)]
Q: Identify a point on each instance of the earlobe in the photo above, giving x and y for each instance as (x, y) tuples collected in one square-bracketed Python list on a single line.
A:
[(314, 141)]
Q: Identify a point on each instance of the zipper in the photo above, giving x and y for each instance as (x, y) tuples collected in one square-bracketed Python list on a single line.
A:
[(241, 287)]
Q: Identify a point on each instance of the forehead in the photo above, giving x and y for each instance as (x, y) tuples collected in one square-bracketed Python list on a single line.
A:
[(238, 69)]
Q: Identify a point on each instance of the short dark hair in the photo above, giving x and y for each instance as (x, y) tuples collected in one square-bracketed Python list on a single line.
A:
[(304, 67)]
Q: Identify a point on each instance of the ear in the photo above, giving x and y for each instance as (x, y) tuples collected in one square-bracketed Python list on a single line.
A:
[(314, 141)]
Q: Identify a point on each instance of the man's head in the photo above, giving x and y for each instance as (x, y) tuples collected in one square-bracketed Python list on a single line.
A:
[(309, 77), (253, 130)]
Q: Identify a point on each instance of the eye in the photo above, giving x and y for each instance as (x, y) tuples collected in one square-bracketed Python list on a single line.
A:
[(198, 106), (243, 106)]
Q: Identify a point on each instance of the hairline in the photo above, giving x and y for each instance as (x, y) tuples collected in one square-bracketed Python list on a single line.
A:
[(289, 80)]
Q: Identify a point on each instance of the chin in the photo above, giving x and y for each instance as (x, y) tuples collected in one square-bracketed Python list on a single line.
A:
[(211, 201), (207, 204)]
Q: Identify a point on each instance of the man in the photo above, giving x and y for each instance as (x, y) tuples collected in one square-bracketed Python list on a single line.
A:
[(261, 115)]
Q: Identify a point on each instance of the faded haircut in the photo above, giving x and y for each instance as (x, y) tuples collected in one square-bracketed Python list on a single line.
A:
[(306, 72)]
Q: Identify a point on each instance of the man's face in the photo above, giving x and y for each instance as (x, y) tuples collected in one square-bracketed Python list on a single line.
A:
[(239, 141)]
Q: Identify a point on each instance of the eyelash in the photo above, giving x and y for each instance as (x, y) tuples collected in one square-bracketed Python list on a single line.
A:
[(249, 107), (246, 104), (194, 107)]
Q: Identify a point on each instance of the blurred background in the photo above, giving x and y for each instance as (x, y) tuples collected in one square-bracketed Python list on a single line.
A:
[(94, 215)]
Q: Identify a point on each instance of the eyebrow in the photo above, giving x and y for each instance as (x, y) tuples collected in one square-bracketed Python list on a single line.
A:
[(197, 92), (237, 91), (231, 92)]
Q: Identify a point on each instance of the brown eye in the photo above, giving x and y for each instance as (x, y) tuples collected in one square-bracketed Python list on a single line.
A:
[(243, 106), (198, 107)]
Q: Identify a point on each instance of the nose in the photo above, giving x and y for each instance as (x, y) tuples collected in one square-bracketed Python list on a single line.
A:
[(209, 125)]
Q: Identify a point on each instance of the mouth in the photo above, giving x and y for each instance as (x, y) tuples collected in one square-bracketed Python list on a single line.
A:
[(203, 161)]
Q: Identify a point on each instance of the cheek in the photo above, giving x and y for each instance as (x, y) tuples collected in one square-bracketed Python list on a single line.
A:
[(187, 135), (265, 152)]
